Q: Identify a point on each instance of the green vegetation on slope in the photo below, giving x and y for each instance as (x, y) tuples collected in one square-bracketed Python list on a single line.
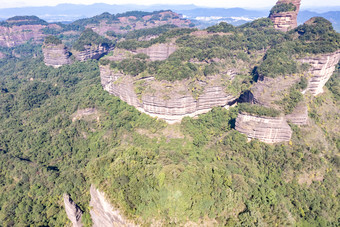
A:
[(283, 7), (23, 20), (90, 38), (52, 40)]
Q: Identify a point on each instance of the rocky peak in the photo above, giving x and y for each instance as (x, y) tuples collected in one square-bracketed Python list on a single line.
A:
[(284, 14), (55, 53), (73, 211)]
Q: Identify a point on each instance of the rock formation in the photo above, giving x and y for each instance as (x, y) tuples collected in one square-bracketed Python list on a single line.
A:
[(300, 115), (56, 55), (20, 29), (266, 129), (322, 68), (102, 212), (158, 52), (285, 21), (73, 211), (169, 102), (92, 52)]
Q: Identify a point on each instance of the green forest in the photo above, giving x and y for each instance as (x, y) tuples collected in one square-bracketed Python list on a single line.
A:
[(200, 170)]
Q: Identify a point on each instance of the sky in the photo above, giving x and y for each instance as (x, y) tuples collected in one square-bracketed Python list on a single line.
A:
[(211, 3)]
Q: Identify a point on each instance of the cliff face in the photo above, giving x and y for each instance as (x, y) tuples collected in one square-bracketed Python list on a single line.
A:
[(17, 35), (92, 52), (56, 55), (171, 103), (322, 68), (285, 21), (158, 52), (73, 211), (266, 129), (103, 214)]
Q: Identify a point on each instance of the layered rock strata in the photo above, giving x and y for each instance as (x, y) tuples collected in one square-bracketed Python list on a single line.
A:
[(322, 68), (300, 115), (285, 21), (56, 55), (73, 211), (158, 52), (266, 129), (92, 52), (17, 35), (172, 105), (102, 212)]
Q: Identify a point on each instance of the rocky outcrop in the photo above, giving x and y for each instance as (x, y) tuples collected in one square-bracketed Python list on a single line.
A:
[(102, 212), (73, 211), (158, 52), (300, 114), (92, 52), (285, 21), (322, 68), (170, 102), (266, 129), (56, 55)]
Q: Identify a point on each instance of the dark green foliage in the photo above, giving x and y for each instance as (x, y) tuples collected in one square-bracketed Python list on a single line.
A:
[(132, 66), (89, 37), (283, 7), (149, 31), (258, 110), (23, 20), (133, 44), (221, 27), (174, 70), (259, 23), (317, 36), (52, 40)]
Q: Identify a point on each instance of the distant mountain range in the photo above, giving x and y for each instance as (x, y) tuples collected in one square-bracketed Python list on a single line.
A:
[(202, 17)]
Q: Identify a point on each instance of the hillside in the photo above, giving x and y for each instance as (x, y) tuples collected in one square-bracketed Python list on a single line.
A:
[(254, 139)]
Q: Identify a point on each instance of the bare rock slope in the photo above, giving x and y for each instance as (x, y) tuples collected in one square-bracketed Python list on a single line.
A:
[(73, 211), (102, 212)]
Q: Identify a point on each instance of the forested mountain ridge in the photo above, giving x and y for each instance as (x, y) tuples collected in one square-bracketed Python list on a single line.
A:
[(61, 132)]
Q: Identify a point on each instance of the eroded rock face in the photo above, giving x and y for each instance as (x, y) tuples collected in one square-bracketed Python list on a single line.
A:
[(300, 114), (73, 211), (266, 129), (158, 52), (285, 21), (102, 212), (17, 35), (171, 103), (322, 68), (92, 52), (56, 55)]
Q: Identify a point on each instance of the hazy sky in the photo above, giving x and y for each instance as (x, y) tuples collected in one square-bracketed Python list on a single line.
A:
[(211, 3)]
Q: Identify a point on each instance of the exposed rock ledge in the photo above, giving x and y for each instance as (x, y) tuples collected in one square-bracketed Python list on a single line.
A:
[(171, 106), (103, 214), (285, 21), (92, 52), (73, 211), (158, 52), (56, 55), (266, 129), (322, 68)]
